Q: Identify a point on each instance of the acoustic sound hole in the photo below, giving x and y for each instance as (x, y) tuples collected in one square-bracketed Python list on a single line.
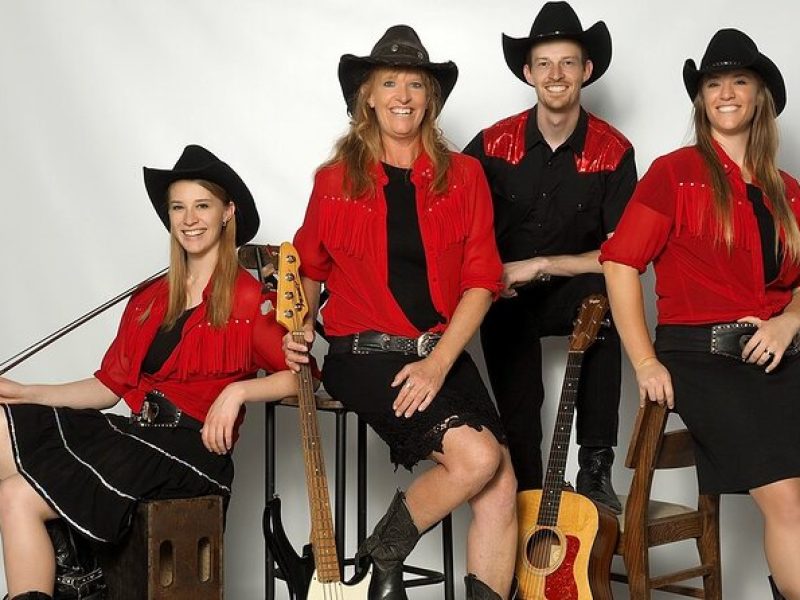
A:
[(544, 549)]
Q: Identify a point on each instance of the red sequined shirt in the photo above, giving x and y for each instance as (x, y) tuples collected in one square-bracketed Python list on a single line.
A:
[(670, 222), (343, 242)]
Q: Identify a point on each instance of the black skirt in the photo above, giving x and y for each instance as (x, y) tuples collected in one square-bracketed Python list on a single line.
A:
[(362, 382), (745, 423), (92, 467)]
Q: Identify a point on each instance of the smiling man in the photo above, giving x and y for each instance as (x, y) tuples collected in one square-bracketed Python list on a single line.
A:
[(560, 179)]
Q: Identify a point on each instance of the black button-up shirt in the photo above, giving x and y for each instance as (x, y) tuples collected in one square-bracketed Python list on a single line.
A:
[(549, 202)]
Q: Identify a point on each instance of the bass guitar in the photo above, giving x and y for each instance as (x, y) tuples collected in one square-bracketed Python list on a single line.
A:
[(325, 582), (566, 541)]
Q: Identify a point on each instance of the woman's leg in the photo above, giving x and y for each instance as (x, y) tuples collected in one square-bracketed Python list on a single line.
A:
[(474, 467), (780, 504), (27, 550)]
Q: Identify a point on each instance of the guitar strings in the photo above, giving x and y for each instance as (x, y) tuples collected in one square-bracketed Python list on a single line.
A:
[(554, 479)]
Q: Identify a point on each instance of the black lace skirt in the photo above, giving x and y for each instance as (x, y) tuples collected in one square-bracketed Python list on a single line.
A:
[(362, 382), (92, 468)]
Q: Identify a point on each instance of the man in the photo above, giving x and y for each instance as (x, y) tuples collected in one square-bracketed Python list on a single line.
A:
[(560, 180)]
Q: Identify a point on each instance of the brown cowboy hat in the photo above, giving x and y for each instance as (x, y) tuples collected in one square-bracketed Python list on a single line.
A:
[(198, 163), (400, 46), (557, 20), (731, 49)]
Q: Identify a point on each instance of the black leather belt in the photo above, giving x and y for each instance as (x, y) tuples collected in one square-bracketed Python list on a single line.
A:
[(370, 342), (158, 411), (725, 339)]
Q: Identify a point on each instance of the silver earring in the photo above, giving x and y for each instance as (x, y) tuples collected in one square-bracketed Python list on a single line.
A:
[(224, 224)]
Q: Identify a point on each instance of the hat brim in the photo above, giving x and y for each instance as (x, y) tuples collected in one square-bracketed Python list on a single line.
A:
[(353, 71), (157, 182), (766, 69), (596, 40)]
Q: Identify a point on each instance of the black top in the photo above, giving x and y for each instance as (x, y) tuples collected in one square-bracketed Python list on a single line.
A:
[(766, 229), (543, 206), (408, 269), (164, 344)]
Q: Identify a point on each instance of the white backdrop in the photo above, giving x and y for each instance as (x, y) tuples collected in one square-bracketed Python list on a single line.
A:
[(91, 90)]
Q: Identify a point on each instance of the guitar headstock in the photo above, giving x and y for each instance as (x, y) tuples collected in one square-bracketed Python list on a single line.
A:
[(590, 319), (291, 309)]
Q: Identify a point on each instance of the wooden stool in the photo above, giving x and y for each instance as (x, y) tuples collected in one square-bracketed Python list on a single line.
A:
[(421, 576), (174, 551)]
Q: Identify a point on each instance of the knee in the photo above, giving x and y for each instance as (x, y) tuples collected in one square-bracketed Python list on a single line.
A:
[(477, 462), (781, 504), (499, 497), (17, 499)]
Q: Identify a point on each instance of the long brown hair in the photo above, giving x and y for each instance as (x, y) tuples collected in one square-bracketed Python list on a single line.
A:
[(223, 279), (760, 161), (361, 146)]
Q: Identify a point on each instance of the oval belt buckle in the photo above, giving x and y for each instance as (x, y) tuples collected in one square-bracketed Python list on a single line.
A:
[(424, 344), (149, 411)]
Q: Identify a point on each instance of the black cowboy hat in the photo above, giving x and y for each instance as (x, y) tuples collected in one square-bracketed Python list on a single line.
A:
[(400, 46), (198, 163), (557, 20), (731, 49)]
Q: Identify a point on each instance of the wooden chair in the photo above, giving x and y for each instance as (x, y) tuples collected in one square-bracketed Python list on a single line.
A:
[(647, 523)]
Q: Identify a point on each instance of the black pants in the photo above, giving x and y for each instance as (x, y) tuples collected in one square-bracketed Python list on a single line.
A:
[(510, 336)]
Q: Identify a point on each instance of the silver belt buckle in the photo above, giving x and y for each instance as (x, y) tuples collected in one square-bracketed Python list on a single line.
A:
[(149, 412), (426, 343)]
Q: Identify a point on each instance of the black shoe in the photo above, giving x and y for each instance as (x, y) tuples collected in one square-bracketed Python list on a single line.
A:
[(776, 594), (393, 538), (477, 590), (594, 476)]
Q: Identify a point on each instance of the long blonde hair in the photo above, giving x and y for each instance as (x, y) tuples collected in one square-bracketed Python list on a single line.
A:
[(223, 279), (760, 161), (361, 146)]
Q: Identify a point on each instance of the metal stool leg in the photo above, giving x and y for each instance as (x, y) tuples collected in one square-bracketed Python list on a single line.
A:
[(361, 507), (447, 557), (269, 491)]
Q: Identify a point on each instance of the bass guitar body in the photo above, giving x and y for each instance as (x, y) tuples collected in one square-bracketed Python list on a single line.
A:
[(355, 589), (296, 570), (570, 560)]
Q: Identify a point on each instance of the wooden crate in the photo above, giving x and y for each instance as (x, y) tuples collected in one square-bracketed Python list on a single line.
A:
[(173, 552)]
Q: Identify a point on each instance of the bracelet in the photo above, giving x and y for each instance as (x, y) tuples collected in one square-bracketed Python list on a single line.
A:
[(640, 364)]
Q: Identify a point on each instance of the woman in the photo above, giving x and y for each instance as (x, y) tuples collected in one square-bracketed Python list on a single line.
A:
[(400, 230), (719, 222), (183, 361)]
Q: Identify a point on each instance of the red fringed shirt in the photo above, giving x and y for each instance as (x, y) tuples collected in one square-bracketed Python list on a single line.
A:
[(343, 242), (670, 221), (205, 360)]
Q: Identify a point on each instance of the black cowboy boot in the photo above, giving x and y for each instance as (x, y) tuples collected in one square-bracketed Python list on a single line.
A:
[(776, 594), (393, 538), (477, 590), (78, 575), (594, 476)]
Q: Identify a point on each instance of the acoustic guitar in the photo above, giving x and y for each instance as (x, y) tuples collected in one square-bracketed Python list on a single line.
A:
[(566, 541), (325, 582)]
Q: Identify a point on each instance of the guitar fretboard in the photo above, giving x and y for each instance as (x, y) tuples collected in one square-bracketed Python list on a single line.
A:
[(326, 559), (557, 462)]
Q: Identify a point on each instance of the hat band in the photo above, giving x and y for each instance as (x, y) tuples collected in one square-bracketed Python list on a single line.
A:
[(720, 64)]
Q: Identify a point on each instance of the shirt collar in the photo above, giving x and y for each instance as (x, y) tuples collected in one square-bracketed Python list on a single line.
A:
[(575, 141)]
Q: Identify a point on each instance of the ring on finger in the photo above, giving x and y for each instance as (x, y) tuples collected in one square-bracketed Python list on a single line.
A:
[(409, 384)]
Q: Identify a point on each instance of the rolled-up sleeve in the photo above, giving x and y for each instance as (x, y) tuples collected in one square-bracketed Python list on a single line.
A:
[(481, 267), (646, 222), (315, 260)]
